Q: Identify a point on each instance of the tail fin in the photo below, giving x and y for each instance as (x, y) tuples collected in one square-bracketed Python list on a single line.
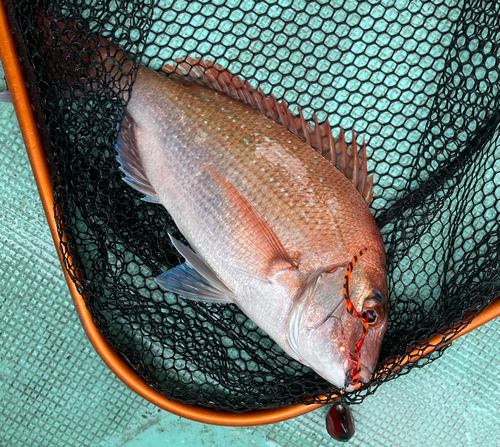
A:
[(80, 61)]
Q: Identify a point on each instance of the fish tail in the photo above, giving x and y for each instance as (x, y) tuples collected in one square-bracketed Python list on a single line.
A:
[(80, 61)]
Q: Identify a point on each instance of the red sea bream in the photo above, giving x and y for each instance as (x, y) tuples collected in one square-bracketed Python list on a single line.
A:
[(273, 225)]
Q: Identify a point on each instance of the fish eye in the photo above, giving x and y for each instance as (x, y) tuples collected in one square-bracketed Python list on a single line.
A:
[(370, 316), (373, 311)]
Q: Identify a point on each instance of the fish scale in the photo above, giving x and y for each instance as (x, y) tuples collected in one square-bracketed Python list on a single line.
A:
[(274, 224), (251, 173)]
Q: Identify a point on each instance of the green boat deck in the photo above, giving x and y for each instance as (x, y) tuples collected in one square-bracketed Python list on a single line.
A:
[(56, 391)]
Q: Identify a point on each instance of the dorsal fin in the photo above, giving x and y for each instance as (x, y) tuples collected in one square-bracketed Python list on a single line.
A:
[(344, 157)]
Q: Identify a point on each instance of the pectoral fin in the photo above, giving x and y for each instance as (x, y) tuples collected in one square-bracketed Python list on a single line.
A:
[(260, 247)]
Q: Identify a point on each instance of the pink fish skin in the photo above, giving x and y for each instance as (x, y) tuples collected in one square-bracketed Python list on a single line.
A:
[(273, 223), (275, 209)]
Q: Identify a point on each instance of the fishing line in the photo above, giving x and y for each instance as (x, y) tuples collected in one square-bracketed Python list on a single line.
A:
[(356, 370)]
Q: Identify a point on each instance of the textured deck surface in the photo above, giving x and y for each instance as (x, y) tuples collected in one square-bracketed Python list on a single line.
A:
[(56, 391)]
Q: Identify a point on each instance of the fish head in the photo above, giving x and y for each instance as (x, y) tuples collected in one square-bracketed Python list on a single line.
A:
[(322, 332), (369, 297)]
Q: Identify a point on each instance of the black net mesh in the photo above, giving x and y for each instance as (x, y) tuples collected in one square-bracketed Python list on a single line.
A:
[(420, 80)]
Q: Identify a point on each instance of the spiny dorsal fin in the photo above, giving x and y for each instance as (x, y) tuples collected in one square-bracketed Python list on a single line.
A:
[(344, 157)]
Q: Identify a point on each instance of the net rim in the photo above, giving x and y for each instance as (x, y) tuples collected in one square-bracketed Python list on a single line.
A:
[(40, 166)]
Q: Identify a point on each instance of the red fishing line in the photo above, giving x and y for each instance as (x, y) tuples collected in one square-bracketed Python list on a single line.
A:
[(356, 368)]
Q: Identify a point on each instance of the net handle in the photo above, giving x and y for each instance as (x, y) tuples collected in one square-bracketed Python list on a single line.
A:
[(41, 171)]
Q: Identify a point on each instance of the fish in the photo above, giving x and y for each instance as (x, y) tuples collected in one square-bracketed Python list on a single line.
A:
[(275, 212)]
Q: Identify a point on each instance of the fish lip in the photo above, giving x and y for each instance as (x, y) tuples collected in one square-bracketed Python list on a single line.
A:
[(365, 375)]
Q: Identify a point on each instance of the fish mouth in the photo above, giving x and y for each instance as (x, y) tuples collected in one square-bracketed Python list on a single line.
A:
[(365, 374)]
